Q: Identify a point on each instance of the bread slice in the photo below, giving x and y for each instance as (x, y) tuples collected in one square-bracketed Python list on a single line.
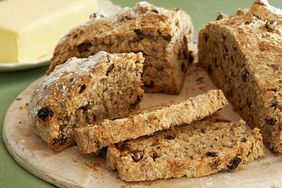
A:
[(96, 136), (84, 91), (243, 55), (202, 148), (163, 36)]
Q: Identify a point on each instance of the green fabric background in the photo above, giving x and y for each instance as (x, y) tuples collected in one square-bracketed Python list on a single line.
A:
[(12, 83)]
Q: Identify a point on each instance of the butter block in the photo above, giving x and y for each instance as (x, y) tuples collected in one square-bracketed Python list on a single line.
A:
[(30, 29)]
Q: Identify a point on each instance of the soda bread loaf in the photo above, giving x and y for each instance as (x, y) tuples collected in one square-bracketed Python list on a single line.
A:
[(163, 36), (96, 136), (202, 148), (84, 91), (243, 55)]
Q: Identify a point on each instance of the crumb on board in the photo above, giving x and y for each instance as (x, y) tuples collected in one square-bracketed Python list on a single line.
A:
[(94, 166), (24, 106), (202, 88), (200, 80), (124, 186)]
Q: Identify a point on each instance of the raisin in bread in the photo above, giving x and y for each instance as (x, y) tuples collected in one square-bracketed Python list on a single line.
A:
[(84, 91), (202, 148), (163, 36), (243, 55), (96, 136)]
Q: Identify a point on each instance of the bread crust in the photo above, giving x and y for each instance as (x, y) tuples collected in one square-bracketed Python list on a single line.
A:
[(163, 36), (84, 91), (93, 137), (243, 55), (202, 148)]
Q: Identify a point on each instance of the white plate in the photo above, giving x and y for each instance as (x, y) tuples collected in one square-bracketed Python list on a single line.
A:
[(15, 66), (105, 6)]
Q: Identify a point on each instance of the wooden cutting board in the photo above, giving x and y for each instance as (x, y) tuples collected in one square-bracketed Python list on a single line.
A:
[(70, 168)]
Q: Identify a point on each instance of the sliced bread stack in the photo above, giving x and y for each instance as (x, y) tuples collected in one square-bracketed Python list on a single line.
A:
[(93, 100), (173, 141)]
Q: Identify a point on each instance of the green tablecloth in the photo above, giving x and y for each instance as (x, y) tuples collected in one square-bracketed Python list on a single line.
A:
[(12, 83)]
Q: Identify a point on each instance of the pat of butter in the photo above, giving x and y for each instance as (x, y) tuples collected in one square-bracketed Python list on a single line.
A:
[(30, 29)]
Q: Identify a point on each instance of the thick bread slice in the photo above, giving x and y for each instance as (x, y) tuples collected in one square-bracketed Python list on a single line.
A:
[(84, 91), (196, 150), (163, 36), (96, 136), (243, 55)]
